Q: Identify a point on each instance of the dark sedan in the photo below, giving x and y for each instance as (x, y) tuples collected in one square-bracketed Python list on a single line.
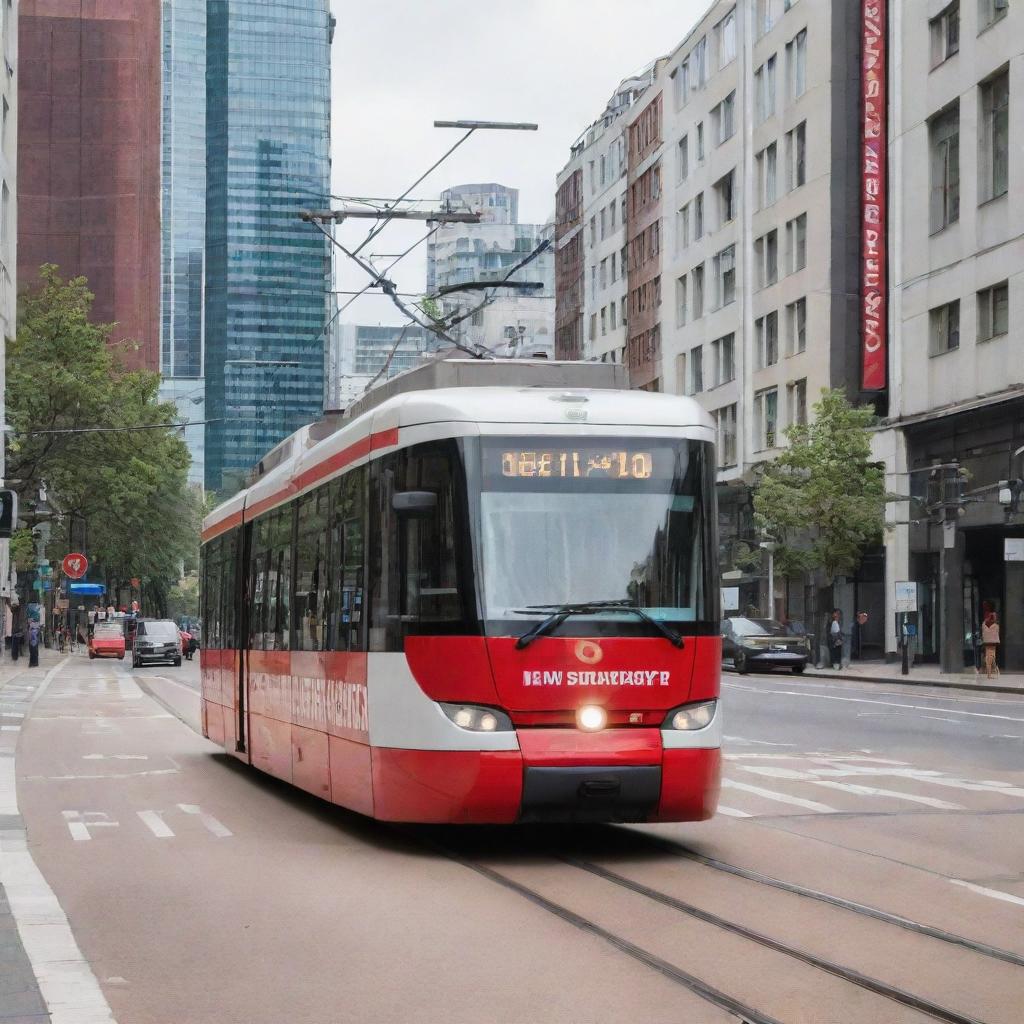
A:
[(762, 644), (156, 640)]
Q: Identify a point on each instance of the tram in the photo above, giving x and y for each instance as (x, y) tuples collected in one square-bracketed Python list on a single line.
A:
[(476, 602)]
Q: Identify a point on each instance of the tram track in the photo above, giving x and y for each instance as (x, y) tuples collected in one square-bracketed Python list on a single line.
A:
[(702, 987)]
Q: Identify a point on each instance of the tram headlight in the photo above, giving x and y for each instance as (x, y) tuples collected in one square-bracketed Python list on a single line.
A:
[(477, 719), (691, 716), (591, 718)]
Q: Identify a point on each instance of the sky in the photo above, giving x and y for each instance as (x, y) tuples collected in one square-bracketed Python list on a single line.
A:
[(399, 65)]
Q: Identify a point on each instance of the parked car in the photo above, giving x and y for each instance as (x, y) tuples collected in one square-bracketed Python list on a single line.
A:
[(156, 640), (762, 644), (107, 640)]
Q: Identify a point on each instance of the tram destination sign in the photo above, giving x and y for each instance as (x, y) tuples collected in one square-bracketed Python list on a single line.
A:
[(570, 463)]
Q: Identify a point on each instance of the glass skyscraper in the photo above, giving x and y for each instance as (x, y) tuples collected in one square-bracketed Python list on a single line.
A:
[(183, 217), (267, 273)]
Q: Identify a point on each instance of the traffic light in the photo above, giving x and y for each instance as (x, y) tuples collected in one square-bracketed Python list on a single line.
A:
[(8, 513)]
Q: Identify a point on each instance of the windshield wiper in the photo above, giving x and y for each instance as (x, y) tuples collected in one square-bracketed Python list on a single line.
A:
[(560, 612)]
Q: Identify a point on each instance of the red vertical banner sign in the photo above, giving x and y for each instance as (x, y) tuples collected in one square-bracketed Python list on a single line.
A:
[(873, 197)]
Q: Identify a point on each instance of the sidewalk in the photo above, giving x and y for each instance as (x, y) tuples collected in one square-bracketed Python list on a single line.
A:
[(921, 675)]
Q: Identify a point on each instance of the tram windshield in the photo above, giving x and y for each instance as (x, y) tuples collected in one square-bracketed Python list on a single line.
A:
[(603, 520)]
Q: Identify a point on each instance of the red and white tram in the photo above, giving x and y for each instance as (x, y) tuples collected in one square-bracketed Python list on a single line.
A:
[(476, 604)]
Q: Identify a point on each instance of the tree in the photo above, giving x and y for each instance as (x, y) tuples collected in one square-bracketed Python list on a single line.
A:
[(823, 499), (127, 482)]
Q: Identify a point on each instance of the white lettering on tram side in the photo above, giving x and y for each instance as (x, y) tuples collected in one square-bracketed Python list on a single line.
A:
[(613, 677), (318, 703)]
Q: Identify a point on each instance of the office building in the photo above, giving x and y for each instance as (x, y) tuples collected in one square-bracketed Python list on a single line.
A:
[(956, 371), (267, 273), (89, 157), (362, 354), (513, 323), (183, 219)]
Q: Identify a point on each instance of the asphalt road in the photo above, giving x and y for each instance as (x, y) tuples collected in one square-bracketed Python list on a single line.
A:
[(867, 867)]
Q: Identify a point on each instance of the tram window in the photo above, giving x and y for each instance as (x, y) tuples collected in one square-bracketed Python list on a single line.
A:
[(229, 565), (211, 592), (257, 600), (279, 581), (346, 565), (310, 598), (428, 565)]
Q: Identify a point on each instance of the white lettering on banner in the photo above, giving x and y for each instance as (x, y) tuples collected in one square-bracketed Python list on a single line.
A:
[(613, 677), (318, 703)]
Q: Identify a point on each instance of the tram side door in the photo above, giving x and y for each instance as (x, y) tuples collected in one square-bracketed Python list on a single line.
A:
[(243, 603)]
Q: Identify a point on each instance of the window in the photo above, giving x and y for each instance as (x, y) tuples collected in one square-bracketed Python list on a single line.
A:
[(683, 229), (993, 311), (593, 230), (604, 321), (604, 171), (994, 137), (615, 260), (681, 383), (683, 156), (766, 254), (593, 281), (723, 352), (766, 330), (270, 582), (622, 211), (699, 63), (696, 370), (624, 306), (309, 599), (766, 417), (698, 216), (700, 142), (767, 167), (680, 301), (725, 39), (682, 84), (611, 213), (944, 328), (593, 326), (944, 150), (796, 156), (762, 18), (796, 63), (723, 118), (725, 435), (796, 394), (725, 276), (796, 243), (725, 196), (604, 225), (944, 30), (764, 90), (796, 327), (697, 282), (604, 274), (991, 11), (612, 316)]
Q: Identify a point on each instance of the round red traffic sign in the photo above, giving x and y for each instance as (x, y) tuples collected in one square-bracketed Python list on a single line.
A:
[(75, 565)]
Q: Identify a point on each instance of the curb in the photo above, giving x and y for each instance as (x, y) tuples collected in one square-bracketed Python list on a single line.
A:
[(911, 681)]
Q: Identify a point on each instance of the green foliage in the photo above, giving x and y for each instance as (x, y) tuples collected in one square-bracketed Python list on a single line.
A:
[(823, 499), (431, 308), (129, 486), (183, 598)]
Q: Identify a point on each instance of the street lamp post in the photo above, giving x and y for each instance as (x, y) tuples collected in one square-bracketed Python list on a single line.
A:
[(770, 546)]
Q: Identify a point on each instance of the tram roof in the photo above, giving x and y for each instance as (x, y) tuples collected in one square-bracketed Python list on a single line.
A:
[(310, 455)]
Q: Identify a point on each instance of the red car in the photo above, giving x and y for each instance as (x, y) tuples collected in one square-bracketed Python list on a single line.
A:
[(107, 640)]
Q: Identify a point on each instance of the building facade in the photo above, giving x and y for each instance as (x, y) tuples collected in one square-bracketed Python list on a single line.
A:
[(591, 296), (362, 354), (513, 323), (183, 218), (89, 157), (956, 319), (8, 237), (267, 273)]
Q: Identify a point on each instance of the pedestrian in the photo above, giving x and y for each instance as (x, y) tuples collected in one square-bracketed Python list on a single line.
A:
[(835, 639), (33, 645), (990, 641)]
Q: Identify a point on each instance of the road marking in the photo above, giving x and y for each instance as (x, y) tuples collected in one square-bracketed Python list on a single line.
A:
[(17, 728), (760, 743), (156, 824), (115, 757), (921, 775), (849, 787), (731, 812), (112, 775), (886, 703), (782, 798), (995, 894), (79, 823), (208, 820)]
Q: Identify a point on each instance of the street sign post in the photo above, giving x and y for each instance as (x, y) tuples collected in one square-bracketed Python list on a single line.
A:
[(75, 565)]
